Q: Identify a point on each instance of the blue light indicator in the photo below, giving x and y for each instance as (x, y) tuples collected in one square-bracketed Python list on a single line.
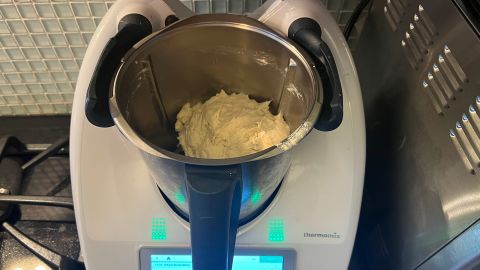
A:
[(276, 230), (159, 229)]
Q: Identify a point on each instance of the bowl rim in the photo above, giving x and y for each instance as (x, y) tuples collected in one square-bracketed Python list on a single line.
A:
[(222, 20)]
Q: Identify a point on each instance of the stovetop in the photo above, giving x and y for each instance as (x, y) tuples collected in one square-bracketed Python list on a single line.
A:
[(51, 227)]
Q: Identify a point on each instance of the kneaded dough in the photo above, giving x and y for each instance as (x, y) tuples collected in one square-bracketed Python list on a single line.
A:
[(227, 126)]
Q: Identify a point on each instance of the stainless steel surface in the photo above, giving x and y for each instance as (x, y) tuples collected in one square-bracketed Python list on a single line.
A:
[(462, 253), (231, 52), (418, 67)]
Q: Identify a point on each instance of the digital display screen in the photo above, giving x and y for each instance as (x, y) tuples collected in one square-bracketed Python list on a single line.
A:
[(240, 262)]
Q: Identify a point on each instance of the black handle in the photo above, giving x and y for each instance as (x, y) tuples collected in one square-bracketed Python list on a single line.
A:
[(131, 29), (307, 33), (214, 195)]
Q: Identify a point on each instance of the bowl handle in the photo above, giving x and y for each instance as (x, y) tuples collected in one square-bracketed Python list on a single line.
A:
[(214, 199), (131, 29), (307, 33)]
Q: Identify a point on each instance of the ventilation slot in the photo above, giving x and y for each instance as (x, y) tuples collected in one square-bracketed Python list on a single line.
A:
[(463, 156), (394, 10), (418, 37), (412, 46), (437, 107), (444, 81), (448, 73), (439, 77), (408, 53), (454, 63), (466, 137), (422, 30), (426, 21)]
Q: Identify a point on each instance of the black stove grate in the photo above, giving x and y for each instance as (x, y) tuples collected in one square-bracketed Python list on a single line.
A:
[(36, 235)]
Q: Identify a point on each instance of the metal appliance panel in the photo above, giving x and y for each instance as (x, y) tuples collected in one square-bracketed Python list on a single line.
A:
[(418, 67), (462, 253)]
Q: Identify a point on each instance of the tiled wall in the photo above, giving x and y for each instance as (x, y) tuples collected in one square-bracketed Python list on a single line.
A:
[(43, 43)]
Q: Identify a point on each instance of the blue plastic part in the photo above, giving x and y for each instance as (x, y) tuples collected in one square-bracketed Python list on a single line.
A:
[(214, 197)]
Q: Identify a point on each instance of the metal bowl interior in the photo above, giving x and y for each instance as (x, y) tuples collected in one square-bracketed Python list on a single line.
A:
[(194, 61)]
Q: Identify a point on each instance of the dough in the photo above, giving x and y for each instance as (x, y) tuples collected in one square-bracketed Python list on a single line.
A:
[(227, 126)]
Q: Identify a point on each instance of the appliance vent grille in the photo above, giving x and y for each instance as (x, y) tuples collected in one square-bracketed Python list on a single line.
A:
[(466, 137), (394, 10), (444, 80), (418, 37)]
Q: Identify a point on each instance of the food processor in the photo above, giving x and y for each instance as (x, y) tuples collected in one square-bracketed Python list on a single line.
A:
[(141, 204)]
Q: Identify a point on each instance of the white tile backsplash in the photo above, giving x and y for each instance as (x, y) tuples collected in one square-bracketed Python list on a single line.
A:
[(98, 9), (37, 65), (34, 26), (45, 10), (78, 51), (57, 39), (63, 10), (46, 108), (7, 67), (3, 27), (8, 41), (52, 26), (27, 11), (40, 98), (65, 88), (86, 24), (24, 40), (42, 44), (69, 65), (41, 40), (75, 39), (13, 78), (17, 27), (21, 88), (3, 55), (26, 99), (36, 88), (81, 9), (9, 12), (31, 53), (15, 53), (27, 78), (33, 109), (12, 99), (6, 89), (47, 53), (69, 25)]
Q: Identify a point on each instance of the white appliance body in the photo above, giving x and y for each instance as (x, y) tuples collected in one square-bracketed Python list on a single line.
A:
[(318, 203)]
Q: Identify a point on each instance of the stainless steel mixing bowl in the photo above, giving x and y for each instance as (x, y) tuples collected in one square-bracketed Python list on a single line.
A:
[(192, 61)]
